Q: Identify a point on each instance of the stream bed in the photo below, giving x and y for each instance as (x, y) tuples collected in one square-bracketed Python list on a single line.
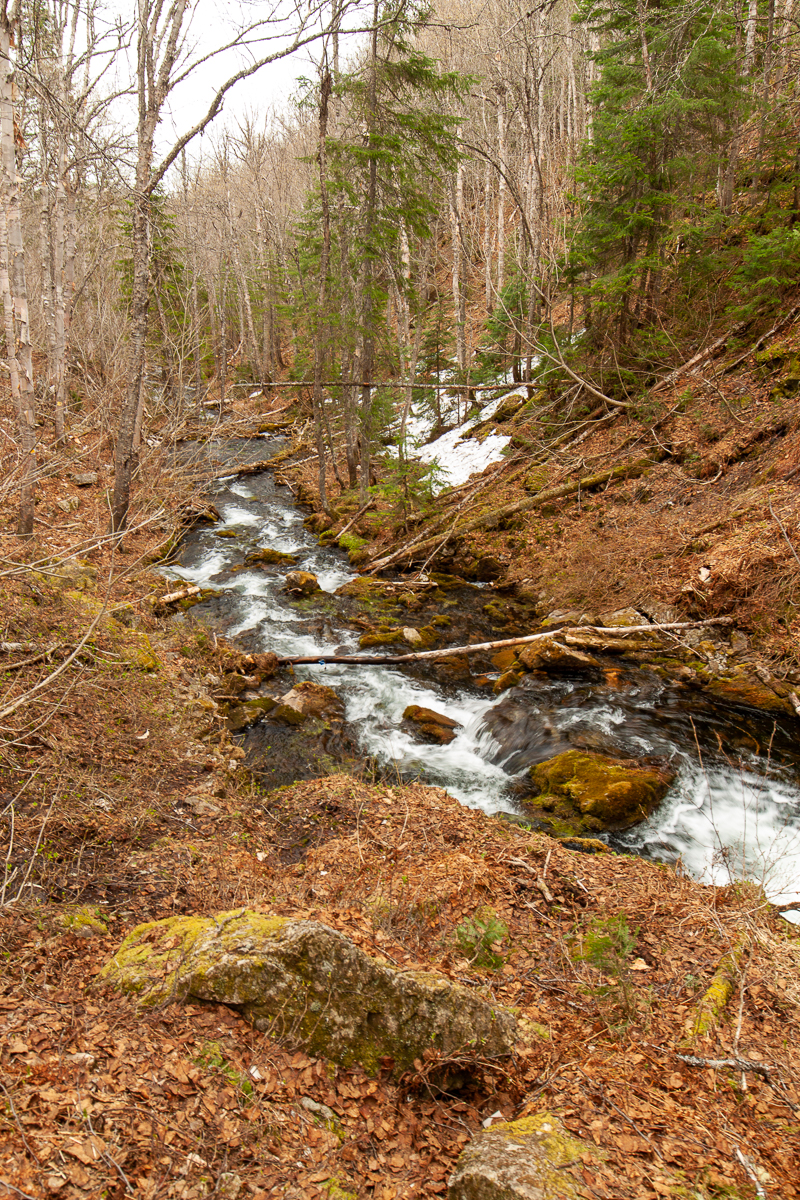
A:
[(733, 810)]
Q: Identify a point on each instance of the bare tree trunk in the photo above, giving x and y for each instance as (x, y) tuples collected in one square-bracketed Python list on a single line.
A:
[(366, 297), (326, 86), (153, 85), (13, 282), (501, 191)]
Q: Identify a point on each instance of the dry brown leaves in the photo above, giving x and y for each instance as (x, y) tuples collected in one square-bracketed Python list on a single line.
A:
[(189, 1100)]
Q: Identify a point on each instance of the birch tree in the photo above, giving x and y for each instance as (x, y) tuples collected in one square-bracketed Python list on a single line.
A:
[(163, 61), (13, 281)]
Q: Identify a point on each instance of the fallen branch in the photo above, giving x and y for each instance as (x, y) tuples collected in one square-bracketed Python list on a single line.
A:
[(750, 1171), (717, 995), (28, 662), (784, 321), (696, 359), (387, 660), (630, 470), (734, 1064), (181, 594), (354, 518), (538, 879)]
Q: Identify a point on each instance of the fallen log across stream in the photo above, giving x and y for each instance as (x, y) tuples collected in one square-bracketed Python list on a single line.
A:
[(393, 660)]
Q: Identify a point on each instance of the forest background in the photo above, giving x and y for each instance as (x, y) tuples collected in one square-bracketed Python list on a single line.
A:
[(575, 196)]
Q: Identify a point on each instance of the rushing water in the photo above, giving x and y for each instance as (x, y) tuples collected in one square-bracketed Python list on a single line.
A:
[(733, 810)]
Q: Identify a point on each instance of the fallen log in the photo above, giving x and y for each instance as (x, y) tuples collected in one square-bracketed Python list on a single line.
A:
[(630, 470), (696, 359), (390, 660), (181, 594)]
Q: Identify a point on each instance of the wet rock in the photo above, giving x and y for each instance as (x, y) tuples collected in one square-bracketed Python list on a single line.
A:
[(309, 985), (520, 1160), (308, 699), (301, 583), (226, 533), (429, 726), (85, 479), (622, 616), (266, 556), (240, 716), (562, 617), (508, 679), (555, 658), (743, 687), (607, 792), (489, 568)]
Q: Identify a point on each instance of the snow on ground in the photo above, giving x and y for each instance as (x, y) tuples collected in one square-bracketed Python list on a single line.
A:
[(456, 455)]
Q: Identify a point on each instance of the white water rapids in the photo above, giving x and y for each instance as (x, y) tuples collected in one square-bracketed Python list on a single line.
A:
[(726, 816)]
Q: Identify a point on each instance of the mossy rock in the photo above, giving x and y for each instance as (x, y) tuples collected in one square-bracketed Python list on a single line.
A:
[(611, 793), (226, 533), (301, 583), (241, 716), (429, 726), (740, 688), (66, 575), (84, 922), (267, 556), (307, 985), (508, 679), (528, 1159)]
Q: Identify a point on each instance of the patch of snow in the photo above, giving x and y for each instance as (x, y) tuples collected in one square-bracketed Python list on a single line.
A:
[(455, 453)]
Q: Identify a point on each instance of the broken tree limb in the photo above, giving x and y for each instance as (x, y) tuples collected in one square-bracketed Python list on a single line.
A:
[(696, 359), (629, 470), (181, 594), (715, 999), (721, 1064), (390, 660)]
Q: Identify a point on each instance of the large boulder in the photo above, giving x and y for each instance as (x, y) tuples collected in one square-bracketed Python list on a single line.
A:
[(527, 1159), (308, 699), (429, 726), (555, 658), (611, 793), (309, 985), (301, 583)]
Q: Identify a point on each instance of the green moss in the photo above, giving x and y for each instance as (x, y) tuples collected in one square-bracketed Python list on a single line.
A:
[(614, 792), (351, 542), (85, 922), (268, 555)]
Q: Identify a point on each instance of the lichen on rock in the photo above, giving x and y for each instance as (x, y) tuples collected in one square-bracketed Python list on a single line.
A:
[(520, 1160), (308, 985)]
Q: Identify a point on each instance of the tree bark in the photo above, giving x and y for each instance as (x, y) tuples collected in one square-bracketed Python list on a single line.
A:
[(13, 282)]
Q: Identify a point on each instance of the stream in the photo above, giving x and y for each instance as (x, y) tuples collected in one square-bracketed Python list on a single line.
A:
[(733, 810)]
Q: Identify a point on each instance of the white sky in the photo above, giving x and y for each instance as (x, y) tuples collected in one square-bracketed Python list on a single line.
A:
[(212, 23)]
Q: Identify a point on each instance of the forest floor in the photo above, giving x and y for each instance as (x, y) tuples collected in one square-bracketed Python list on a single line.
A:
[(124, 800)]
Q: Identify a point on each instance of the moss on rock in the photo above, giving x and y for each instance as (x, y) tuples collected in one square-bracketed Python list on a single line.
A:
[(612, 793), (309, 985), (526, 1159)]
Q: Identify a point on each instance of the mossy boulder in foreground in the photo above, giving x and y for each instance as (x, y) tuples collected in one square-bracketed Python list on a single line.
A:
[(598, 792), (310, 986), (520, 1160)]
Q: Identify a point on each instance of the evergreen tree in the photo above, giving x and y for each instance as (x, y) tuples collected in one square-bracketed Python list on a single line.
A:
[(667, 101)]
